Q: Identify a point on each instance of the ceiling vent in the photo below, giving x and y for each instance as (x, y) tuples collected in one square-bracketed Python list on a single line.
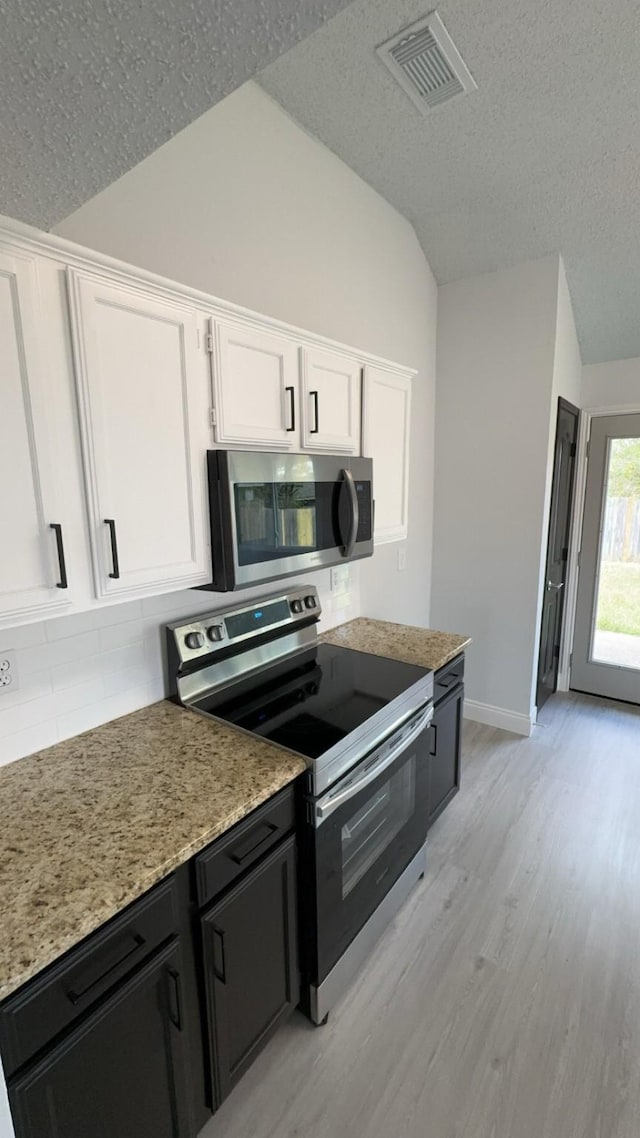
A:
[(426, 63)]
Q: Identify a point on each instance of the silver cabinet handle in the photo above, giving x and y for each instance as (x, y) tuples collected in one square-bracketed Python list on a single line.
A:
[(327, 805), (348, 548), (550, 585)]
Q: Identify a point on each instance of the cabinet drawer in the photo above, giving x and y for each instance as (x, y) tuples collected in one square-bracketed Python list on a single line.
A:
[(244, 845), (446, 679), (47, 1005)]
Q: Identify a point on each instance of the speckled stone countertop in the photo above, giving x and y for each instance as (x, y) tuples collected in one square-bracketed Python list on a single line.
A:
[(423, 646), (89, 825)]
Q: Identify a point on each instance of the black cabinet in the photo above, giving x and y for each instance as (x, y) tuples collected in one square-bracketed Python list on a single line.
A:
[(121, 1073), (251, 964), (446, 739)]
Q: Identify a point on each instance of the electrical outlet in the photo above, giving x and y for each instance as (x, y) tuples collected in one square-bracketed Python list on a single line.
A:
[(340, 579), (8, 671)]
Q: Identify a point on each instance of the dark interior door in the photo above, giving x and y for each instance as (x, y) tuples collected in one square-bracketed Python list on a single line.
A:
[(557, 549)]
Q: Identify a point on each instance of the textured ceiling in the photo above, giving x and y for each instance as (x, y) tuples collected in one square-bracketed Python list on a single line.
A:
[(543, 157), (88, 88)]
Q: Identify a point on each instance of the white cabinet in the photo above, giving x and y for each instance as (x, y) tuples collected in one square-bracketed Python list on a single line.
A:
[(331, 397), (32, 570), (143, 399), (386, 428), (255, 383)]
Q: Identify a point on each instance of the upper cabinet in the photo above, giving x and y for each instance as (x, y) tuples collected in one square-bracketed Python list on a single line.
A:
[(331, 399), (33, 571), (385, 439), (255, 385), (142, 388)]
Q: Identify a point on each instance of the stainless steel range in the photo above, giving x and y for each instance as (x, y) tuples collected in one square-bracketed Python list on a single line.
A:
[(361, 723)]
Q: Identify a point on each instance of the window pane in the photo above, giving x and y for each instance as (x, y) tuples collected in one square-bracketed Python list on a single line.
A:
[(616, 638)]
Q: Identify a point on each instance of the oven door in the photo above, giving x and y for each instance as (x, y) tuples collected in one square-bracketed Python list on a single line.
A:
[(366, 830), (273, 515)]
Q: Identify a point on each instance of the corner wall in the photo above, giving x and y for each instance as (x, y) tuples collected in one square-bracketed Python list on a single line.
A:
[(615, 384)]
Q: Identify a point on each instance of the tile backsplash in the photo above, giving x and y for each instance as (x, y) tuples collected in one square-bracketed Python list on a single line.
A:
[(75, 672)]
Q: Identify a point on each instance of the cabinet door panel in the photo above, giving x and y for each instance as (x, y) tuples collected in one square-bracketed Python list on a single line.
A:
[(387, 405), (143, 395), (331, 396), (28, 570), (445, 758), (251, 964), (255, 376), (121, 1074)]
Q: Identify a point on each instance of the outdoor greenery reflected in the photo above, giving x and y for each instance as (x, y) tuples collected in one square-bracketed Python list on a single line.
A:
[(618, 612)]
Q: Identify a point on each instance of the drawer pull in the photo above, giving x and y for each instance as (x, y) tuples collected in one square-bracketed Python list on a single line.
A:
[(434, 748), (449, 681), (175, 998), (219, 967), (87, 981), (241, 854)]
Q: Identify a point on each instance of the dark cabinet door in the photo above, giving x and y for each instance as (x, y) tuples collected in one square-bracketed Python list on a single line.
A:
[(446, 739), (251, 964), (121, 1074)]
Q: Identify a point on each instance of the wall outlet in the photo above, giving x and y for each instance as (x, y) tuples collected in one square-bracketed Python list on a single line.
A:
[(8, 671), (402, 559), (340, 579)]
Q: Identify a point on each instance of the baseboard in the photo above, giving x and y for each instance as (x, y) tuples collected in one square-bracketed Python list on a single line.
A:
[(498, 717)]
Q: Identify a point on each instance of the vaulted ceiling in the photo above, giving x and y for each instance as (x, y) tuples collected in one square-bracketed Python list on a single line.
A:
[(88, 88), (543, 157)]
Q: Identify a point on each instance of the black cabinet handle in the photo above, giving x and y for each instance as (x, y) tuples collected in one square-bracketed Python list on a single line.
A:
[(97, 971), (63, 582), (219, 967), (175, 998), (448, 681), (434, 748), (314, 396), (242, 853), (114, 546), (292, 407)]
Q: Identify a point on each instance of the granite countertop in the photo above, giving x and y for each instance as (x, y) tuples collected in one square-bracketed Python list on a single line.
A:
[(90, 824), (423, 646)]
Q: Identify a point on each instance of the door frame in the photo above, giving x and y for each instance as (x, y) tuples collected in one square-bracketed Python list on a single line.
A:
[(584, 434)]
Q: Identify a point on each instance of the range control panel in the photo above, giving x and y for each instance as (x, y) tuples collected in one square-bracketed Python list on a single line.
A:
[(209, 633)]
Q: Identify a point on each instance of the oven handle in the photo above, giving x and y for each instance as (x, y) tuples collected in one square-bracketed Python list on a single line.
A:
[(348, 548), (325, 807)]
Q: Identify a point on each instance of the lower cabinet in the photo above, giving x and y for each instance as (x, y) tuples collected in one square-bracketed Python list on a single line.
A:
[(251, 964), (122, 1072), (446, 747)]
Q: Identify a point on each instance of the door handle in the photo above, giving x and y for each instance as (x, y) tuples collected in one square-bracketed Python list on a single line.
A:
[(114, 546), (292, 407), (219, 966), (550, 585), (314, 396), (349, 545), (434, 748), (63, 582), (175, 998)]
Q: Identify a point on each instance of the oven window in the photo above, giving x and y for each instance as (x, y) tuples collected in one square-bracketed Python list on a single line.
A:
[(368, 833)]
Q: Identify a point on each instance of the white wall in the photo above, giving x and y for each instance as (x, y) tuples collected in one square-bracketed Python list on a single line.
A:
[(246, 205), (615, 384), (498, 375)]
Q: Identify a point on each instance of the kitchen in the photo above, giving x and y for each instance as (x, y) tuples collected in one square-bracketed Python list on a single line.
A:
[(306, 258)]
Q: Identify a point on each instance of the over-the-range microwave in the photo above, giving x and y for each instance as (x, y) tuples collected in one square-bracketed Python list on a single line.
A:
[(274, 515)]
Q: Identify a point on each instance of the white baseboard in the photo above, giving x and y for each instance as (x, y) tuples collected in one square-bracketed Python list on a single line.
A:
[(498, 717)]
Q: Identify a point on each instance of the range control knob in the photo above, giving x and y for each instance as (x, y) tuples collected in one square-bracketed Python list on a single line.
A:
[(215, 632), (296, 606), (194, 640), (310, 601)]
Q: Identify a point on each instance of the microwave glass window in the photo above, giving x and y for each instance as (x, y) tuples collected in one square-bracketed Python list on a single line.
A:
[(372, 829)]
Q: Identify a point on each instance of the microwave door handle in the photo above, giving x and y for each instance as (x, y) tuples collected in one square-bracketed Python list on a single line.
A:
[(326, 806), (349, 546)]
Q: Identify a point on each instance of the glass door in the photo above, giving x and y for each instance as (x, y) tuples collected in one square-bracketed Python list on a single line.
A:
[(606, 648)]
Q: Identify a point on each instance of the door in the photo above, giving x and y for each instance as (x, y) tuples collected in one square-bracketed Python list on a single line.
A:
[(33, 576), (606, 645), (121, 1074), (445, 752), (367, 829), (255, 381), (331, 398), (557, 550), (385, 439), (144, 402), (251, 964)]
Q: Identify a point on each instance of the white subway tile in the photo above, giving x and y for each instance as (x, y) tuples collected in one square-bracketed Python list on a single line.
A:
[(116, 635), (22, 743), (60, 652), (81, 695), (76, 672), (109, 615), (24, 715), (129, 656), (32, 686), (82, 719), (60, 628), (114, 682), (26, 636)]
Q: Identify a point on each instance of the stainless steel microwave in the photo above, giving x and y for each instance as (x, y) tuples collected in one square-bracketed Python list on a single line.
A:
[(274, 515)]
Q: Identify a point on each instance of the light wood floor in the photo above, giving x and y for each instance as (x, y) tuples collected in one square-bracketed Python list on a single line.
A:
[(504, 1002)]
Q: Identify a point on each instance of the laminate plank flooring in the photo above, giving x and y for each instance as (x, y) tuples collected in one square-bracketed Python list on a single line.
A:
[(504, 1000)]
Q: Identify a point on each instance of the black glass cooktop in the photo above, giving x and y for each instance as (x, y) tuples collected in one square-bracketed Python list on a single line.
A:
[(314, 702)]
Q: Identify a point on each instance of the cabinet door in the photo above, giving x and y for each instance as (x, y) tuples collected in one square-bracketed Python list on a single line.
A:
[(32, 580), (387, 408), (331, 398), (445, 753), (251, 964), (121, 1074), (255, 382), (143, 396)]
